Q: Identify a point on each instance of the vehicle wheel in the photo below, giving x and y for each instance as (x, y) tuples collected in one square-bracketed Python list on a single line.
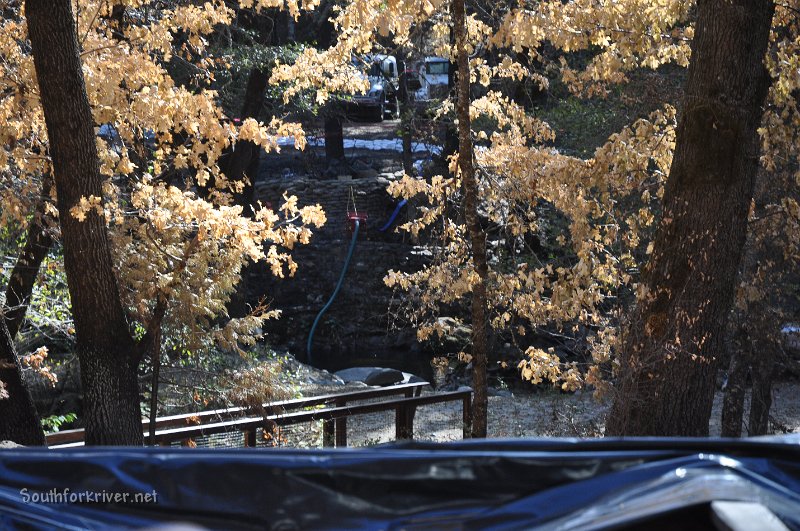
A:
[(380, 112)]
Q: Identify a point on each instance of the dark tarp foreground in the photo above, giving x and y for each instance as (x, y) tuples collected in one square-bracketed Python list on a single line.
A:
[(493, 484)]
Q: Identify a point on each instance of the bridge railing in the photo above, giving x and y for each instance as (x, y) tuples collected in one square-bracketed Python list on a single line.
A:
[(332, 409)]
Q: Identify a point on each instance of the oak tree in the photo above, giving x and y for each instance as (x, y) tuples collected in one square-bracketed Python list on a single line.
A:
[(675, 339)]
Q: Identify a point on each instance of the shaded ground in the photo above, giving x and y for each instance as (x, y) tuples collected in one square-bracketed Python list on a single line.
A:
[(371, 130), (545, 414), (538, 413)]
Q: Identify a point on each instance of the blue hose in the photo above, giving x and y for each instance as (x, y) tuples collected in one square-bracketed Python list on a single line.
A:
[(335, 291), (399, 207)]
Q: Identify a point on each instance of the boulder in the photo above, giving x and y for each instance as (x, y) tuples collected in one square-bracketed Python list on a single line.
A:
[(456, 338), (492, 391), (384, 377), (377, 376)]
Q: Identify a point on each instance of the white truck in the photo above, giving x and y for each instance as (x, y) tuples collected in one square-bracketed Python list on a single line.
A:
[(433, 79), (380, 101)]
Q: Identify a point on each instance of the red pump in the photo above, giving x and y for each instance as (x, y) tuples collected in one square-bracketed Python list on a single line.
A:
[(352, 217)]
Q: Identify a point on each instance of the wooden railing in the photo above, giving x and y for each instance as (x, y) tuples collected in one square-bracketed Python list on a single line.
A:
[(334, 411)]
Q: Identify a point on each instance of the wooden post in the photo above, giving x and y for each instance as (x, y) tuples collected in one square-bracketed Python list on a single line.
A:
[(328, 433), (411, 412), (467, 415), (404, 422), (341, 432), (341, 426), (250, 438)]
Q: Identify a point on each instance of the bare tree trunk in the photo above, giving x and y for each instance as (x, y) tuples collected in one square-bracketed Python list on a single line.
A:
[(761, 397), (451, 139), (241, 164), (406, 117), (334, 137), (733, 402), (674, 342), (19, 421), (243, 160), (105, 347), (476, 235), (117, 18), (155, 364), (26, 270), (762, 370)]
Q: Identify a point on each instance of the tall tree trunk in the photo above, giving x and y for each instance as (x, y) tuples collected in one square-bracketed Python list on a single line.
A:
[(451, 138), (334, 136), (733, 401), (761, 397), (675, 339), (406, 116), (476, 235), (105, 347), (26, 270), (154, 352), (241, 164), (243, 160), (763, 367), (19, 421), (117, 18)]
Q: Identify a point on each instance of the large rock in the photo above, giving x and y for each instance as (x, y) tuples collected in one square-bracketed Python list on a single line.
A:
[(457, 337), (378, 376)]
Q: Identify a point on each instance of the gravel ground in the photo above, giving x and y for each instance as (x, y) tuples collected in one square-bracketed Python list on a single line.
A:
[(547, 414), (579, 415), (539, 413)]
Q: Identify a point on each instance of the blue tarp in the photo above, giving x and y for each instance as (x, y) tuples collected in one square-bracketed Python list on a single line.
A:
[(492, 484)]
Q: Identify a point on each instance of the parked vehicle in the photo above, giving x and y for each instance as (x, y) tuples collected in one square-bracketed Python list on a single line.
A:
[(381, 100), (433, 79), (413, 83)]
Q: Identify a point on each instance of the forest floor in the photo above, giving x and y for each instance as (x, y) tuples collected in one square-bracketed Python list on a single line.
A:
[(548, 414), (580, 415), (543, 414), (538, 412)]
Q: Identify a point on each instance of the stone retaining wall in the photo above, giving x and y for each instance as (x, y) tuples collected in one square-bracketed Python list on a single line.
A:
[(356, 329)]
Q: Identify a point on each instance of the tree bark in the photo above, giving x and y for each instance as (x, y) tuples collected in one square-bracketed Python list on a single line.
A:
[(334, 136), (155, 365), (476, 235), (761, 397), (243, 160), (19, 421), (675, 338), (733, 402), (104, 345), (406, 116), (241, 164), (26, 269), (763, 369), (451, 139)]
